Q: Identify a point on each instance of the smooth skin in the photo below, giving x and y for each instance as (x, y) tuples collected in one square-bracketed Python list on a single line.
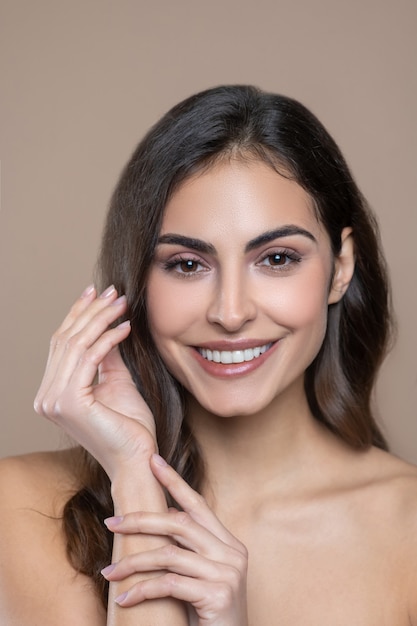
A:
[(292, 527)]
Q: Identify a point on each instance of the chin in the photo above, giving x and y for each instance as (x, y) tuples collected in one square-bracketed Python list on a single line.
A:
[(233, 409)]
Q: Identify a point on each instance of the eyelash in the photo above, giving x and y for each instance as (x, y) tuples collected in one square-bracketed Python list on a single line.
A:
[(289, 256), (174, 264)]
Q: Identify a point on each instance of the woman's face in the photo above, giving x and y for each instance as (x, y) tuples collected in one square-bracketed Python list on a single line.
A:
[(239, 288)]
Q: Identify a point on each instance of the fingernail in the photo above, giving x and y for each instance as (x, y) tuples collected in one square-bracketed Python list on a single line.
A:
[(113, 521), (108, 570), (119, 301), (124, 324), (87, 291), (159, 460), (121, 598), (108, 292)]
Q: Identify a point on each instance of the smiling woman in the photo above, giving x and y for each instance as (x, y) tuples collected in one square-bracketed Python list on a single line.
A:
[(259, 282), (239, 340)]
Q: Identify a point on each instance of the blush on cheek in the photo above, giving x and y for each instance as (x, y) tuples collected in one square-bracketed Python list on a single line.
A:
[(172, 308), (305, 306)]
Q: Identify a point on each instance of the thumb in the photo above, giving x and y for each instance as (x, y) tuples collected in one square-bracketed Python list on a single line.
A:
[(113, 367)]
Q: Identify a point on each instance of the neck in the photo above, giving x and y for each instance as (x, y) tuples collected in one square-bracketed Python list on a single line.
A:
[(257, 453)]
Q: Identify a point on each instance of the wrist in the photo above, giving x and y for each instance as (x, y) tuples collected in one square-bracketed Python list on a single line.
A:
[(135, 488), (135, 463)]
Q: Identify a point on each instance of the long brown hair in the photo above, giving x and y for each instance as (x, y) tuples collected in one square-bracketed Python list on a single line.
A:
[(238, 120)]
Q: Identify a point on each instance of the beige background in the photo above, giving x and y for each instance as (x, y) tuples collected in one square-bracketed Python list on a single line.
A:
[(80, 83)]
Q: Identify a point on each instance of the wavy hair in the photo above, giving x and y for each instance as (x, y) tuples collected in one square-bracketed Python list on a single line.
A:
[(240, 122)]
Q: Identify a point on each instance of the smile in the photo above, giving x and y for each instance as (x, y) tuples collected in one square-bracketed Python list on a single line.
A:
[(234, 356)]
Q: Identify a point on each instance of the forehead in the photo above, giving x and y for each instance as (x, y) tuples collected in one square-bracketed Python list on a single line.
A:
[(240, 197)]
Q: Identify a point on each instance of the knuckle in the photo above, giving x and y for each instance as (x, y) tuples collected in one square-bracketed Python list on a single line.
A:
[(75, 342), (170, 580), (55, 340), (182, 518), (135, 518), (234, 579), (46, 406), (37, 405), (241, 563), (224, 595), (88, 358), (49, 407), (170, 551)]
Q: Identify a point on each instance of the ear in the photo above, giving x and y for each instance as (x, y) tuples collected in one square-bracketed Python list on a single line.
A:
[(344, 267)]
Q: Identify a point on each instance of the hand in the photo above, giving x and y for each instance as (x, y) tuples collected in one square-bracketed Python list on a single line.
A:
[(87, 389), (207, 567)]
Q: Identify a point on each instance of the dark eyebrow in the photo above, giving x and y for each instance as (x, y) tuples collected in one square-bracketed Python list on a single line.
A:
[(188, 242), (208, 248), (278, 233)]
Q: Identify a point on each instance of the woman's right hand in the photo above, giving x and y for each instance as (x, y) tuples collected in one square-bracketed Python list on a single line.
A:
[(87, 389)]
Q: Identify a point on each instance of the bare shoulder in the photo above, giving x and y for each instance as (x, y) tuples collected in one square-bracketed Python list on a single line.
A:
[(388, 485), (396, 480), (390, 504), (46, 472), (34, 567)]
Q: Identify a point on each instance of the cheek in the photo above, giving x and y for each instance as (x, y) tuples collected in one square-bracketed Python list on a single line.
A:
[(158, 303), (171, 309), (303, 317), (302, 302)]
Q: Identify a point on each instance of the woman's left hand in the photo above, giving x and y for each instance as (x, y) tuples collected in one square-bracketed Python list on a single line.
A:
[(206, 567)]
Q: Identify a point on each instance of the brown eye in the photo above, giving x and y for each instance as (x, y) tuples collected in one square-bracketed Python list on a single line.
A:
[(184, 266), (282, 260), (188, 265), (277, 259)]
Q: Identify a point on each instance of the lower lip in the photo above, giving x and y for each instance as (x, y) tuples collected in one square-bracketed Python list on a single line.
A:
[(228, 370)]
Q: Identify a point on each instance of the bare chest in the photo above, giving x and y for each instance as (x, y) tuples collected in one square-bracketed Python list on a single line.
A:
[(331, 574)]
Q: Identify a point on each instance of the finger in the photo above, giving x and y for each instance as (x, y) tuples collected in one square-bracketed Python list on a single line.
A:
[(68, 349), (82, 313), (88, 301), (182, 529), (88, 364), (79, 343), (190, 501), (170, 557), (213, 598), (88, 295), (76, 374), (179, 526), (113, 367)]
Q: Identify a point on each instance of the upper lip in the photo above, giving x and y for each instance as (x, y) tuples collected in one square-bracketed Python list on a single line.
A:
[(236, 344)]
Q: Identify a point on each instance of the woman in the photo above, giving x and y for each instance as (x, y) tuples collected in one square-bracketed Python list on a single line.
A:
[(239, 340)]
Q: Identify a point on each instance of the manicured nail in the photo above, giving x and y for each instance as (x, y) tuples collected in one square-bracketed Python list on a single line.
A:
[(87, 291), (118, 301), (108, 292), (121, 598), (159, 460), (113, 521), (108, 570), (124, 324)]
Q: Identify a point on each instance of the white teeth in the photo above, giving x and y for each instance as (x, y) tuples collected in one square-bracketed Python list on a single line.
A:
[(216, 356), (226, 357), (238, 356), (234, 356)]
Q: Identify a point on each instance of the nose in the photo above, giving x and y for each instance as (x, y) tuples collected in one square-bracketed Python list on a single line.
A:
[(232, 304)]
